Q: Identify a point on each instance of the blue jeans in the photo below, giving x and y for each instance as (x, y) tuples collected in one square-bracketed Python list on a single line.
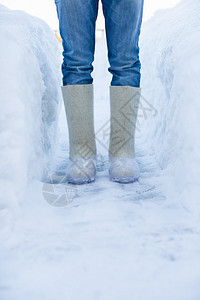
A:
[(123, 20)]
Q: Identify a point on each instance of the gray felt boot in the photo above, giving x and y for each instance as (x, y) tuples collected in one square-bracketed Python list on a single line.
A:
[(78, 100), (124, 104)]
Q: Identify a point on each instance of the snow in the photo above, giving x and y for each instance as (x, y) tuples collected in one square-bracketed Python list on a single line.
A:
[(30, 97), (172, 59), (112, 241)]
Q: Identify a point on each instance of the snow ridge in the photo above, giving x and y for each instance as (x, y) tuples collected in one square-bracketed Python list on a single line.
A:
[(30, 101), (170, 47)]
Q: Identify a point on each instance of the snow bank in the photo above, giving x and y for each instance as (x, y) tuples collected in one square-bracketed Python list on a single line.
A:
[(30, 97), (170, 52)]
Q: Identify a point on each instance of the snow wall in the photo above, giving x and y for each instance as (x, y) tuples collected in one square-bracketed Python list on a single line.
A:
[(170, 54), (30, 98)]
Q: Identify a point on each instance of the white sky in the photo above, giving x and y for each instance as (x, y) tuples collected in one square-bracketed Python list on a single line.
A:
[(45, 9)]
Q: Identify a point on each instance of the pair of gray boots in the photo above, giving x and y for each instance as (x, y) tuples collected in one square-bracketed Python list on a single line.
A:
[(79, 106)]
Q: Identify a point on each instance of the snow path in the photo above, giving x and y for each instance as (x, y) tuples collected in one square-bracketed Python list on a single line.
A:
[(112, 242)]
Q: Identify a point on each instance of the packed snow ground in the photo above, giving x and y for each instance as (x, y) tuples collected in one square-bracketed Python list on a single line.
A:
[(112, 241)]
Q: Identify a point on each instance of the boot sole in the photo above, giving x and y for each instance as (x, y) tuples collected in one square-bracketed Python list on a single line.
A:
[(123, 179), (80, 180)]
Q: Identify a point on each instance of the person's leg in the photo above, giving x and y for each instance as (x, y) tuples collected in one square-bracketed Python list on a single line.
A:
[(123, 21), (77, 28)]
